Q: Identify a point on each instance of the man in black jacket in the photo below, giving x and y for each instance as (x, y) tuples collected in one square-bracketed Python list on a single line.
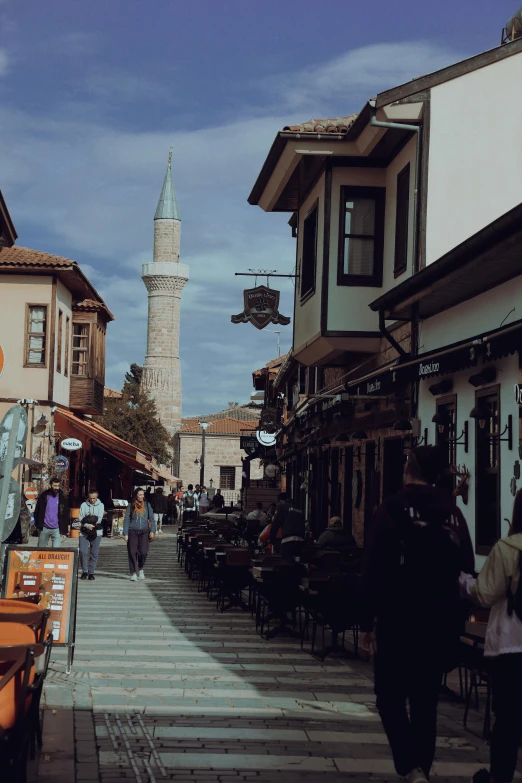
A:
[(290, 519), (160, 506), (411, 613), (51, 515)]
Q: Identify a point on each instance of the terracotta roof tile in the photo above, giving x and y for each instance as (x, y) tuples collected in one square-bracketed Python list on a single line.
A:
[(227, 426), (24, 256), (331, 125)]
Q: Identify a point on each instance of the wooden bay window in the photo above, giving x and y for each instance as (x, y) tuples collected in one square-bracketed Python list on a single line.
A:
[(361, 236)]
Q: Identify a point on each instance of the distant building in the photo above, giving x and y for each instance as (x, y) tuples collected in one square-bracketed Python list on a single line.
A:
[(223, 453)]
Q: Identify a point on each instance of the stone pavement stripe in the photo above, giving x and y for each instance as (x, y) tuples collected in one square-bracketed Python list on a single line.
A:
[(239, 761)]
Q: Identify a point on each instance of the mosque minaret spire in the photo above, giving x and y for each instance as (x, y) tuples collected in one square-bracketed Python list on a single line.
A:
[(165, 279)]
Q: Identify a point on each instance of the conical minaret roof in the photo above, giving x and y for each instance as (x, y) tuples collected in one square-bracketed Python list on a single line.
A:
[(167, 208)]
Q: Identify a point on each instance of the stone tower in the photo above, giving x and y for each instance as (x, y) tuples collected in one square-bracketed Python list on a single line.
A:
[(165, 279)]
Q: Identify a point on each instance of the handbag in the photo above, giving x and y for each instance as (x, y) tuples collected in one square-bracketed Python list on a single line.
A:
[(90, 519)]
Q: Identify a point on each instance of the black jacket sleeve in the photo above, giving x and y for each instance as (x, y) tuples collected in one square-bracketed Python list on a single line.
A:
[(63, 515), (377, 564), (277, 523)]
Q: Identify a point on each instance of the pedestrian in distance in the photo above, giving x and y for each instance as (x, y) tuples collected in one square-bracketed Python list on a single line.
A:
[(412, 616), (52, 515), (203, 501), (499, 587), (218, 501), (91, 532), (290, 519), (190, 504), (160, 507), (139, 528)]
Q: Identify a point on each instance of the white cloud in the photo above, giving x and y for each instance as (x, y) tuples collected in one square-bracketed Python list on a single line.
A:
[(360, 73), (88, 190)]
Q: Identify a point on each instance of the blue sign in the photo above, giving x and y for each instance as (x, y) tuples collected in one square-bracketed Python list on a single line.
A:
[(60, 464)]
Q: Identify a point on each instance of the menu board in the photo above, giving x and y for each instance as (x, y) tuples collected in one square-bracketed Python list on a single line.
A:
[(51, 574)]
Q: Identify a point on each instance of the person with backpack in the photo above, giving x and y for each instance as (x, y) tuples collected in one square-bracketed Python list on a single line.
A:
[(160, 506), (190, 504), (411, 613), (499, 587)]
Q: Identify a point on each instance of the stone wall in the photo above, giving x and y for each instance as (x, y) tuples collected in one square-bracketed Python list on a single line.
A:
[(220, 450), (167, 240)]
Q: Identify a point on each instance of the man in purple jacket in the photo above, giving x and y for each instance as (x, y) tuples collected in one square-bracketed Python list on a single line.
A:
[(52, 516)]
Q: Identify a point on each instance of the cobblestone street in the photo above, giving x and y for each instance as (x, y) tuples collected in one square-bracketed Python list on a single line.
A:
[(163, 687)]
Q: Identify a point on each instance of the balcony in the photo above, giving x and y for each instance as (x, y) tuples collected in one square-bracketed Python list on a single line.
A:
[(86, 395)]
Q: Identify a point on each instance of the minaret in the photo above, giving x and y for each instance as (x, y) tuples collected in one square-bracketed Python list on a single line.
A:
[(165, 279)]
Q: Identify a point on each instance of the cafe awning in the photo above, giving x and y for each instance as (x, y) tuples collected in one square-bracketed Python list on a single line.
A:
[(486, 260), (117, 447)]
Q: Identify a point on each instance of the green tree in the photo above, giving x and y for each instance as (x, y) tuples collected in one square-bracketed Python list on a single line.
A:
[(134, 418)]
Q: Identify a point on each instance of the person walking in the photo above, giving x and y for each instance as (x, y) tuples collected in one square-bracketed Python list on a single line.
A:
[(290, 519), (190, 504), (139, 527), (412, 616), (218, 501), (160, 507), (91, 532), (203, 501), (499, 587), (51, 515)]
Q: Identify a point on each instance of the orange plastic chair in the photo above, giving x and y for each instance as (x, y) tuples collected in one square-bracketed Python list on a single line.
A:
[(13, 610), (15, 638)]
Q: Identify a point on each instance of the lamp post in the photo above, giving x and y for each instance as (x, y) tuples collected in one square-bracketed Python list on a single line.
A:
[(204, 426)]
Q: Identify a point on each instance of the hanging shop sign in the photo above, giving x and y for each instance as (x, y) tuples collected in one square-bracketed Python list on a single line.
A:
[(51, 577), (260, 308), (60, 463), (71, 444), (266, 438), (2, 360), (249, 443), (270, 471)]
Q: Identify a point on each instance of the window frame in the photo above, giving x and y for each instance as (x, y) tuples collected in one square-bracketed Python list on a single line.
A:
[(59, 342), (446, 440), (398, 269), (379, 196), (67, 342), (27, 363), (234, 474), (491, 426), (305, 295), (88, 351)]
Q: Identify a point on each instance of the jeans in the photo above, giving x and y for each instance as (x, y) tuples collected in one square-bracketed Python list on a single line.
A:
[(89, 553), (291, 549), (507, 731), (158, 518), (52, 533), (137, 549), (406, 671)]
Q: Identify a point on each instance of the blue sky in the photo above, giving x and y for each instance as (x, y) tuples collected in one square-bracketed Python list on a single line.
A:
[(93, 95)]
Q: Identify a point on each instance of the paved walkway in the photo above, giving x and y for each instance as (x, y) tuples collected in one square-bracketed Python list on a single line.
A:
[(165, 688)]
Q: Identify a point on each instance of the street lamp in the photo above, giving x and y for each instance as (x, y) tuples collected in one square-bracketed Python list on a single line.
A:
[(204, 426)]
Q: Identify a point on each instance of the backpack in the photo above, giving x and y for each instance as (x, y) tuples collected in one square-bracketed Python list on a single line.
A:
[(430, 562), (514, 600), (190, 501)]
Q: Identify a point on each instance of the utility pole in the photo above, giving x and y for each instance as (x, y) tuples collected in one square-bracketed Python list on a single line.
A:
[(204, 426)]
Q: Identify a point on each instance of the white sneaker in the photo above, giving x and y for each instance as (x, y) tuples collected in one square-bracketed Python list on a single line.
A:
[(416, 776), (134, 578), (141, 574)]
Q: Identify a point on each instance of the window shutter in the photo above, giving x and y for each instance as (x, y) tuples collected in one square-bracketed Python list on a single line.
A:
[(401, 221)]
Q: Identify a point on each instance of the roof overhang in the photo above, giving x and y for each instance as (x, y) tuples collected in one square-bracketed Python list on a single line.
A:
[(486, 260)]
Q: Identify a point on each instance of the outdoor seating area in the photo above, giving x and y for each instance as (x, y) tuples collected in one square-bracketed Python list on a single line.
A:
[(315, 599), (25, 649)]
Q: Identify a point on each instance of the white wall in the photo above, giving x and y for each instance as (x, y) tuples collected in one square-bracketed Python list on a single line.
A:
[(481, 314), (475, 155), (61, 382)]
